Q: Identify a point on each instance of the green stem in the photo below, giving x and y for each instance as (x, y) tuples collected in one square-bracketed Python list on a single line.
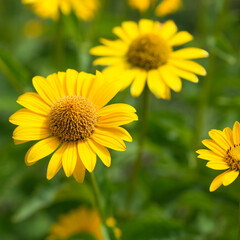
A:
[(137, 163)]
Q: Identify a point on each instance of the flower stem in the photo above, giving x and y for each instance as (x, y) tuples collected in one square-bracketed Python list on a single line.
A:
[(137, 163)]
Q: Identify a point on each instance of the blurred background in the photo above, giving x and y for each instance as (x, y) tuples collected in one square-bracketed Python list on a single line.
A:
[(172, 199)]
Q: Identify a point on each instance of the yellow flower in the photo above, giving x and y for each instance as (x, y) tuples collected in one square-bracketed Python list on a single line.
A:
[(68, 116), (111, 222), (167, 7), (224, 154), (81, 220), (33, 29), (141, 5), (144, 53), (84, 9)]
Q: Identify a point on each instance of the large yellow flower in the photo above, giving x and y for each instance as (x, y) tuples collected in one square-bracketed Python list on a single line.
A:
[(84, 9), (145, 52), (78, 221), (224, 154), (167, 7), (68, 115)]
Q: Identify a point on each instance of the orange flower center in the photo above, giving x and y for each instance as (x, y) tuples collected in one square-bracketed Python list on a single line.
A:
[(148, 51), (233, 158), (72, 118)]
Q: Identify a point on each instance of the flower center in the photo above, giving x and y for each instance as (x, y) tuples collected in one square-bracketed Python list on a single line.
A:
[(233, 158), (72, 118), (148, 51)]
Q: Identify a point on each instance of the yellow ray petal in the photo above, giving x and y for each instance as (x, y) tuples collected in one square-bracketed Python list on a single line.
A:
[(117, 45), (219, 138), (101, 151), (25, 117), (108, 60), (217, 182), (209, 155), (157, 86), (26, 133), (56, 85), (121, 34), (69, 158), (106, 51), (84, 82), (168, 29), (188, 66), (230, 177), (62, 80), (217, 166), (87, 155), (55, 162), (170, 78), (236, 133), (108, 140), (79, 171), (212, 145), (127, 77), (189, 53), (33, 102), (131, 29), (42, 149), (180, 38), (71, 81), (229, 135), (45, 90), (118, 132), (184, 74), (19, 141), (138, 83), (145, 26), (116, 107)]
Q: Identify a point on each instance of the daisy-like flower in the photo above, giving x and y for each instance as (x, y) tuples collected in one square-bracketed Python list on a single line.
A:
[(84, 9), (141, 5), (69, 117), (144, 53), (77, 221), (224, 154), (168, 7)]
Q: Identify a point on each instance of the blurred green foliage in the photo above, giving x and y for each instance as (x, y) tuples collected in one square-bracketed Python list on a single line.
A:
[(172, 200)]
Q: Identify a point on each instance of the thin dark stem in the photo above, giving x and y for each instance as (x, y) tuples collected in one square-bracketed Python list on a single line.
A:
[(137, 163)]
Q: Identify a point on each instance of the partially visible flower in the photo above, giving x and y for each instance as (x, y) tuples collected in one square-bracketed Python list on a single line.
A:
[(69, 117), (78, 221), (167, 7), (224, 154), (84, 9), (33, 29), (141, 5), (145, 52), (111, 222)]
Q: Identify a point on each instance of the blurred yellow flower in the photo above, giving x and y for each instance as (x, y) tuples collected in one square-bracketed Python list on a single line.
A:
[(141, 5), (144, 53), (78, 221), (84, 9), (33, 29), (111, 222), (167, 7), (224, 154), (68, 116)]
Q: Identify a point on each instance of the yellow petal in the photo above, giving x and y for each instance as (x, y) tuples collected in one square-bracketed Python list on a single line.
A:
[(106, 51), (217, 166), (44, 90), (55, 162), (118, 132), (189, 53), (127, 77), (131, 29), (84, 83), (121, 34), (117, 108), (209, 155), (107, 60), (56, 85), (62, 81), (117, 45), (42, 149), (138, 83), (184, 74), (69, 158), (230, 177), (229, 136), (170, 78), (217, 182), (180, 38), (145, 26), (236, 133), (79, 171), (26, 133), (188, 66), (168, 29), (71, 81), (25, 117), (108, 140), (219, 138), (87, 155), (101, 151), (157, 86), (33, 102), (212, 145)]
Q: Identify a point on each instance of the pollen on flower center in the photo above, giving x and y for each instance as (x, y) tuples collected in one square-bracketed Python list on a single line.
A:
[(233, 158), (72, 118), (148, 51)]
